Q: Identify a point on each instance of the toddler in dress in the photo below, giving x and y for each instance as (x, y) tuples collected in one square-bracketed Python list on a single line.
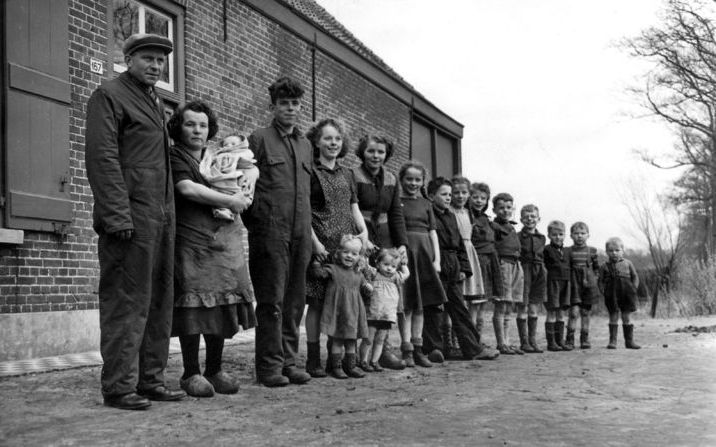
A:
[(230, 169), (390, 272), (344, 317)]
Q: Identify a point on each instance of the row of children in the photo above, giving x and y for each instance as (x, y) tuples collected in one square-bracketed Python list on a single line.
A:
[(455, 250)]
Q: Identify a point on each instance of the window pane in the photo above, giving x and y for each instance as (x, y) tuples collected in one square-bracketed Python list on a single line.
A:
[(156, 24), (126, 23), (133, 16)]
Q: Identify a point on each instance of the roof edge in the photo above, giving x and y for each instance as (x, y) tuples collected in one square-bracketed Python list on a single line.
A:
[(308, 30)]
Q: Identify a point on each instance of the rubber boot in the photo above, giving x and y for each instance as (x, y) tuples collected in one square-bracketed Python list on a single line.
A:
[(449, 350), (569, 340), (407, 349), (419, 357), (499, 336), (313, 360), (559, 336), (336, 370), (532, 334), (350, 367), (522, 330), (584, 340), (549, 334), (629, 337), (613, 331)]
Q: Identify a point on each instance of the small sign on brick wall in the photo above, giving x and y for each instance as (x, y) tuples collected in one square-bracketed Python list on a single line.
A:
[(96, 66)]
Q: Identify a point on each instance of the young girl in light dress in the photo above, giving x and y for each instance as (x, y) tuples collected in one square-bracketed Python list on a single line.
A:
[(472, 287), (344, 318), (391, 271)]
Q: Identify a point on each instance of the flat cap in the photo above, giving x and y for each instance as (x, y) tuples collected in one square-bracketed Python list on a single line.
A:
[(137, 41)]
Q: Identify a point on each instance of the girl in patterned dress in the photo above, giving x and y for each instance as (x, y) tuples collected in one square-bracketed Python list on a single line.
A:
[(334, 212), (423, 291), (390, 273), (343, 318)]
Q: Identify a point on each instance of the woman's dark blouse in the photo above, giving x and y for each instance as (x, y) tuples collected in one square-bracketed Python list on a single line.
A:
[(192, 216), (380, 194)]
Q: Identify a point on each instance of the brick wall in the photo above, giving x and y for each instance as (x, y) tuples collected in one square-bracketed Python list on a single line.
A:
[(51, 272)]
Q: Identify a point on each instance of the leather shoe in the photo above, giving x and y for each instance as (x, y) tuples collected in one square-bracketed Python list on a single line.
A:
[(162, 394), (486, 354), (390, 361), (436, 356), (296, 375), (273, 380), (129, 401)]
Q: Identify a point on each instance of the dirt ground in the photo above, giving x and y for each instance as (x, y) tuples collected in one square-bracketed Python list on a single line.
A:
[(663, 394)]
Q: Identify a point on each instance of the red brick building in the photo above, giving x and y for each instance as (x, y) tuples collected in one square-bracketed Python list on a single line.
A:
[(56, 52)]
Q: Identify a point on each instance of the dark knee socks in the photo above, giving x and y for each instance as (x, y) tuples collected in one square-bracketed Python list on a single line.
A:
[(190, 355), (214, 352)]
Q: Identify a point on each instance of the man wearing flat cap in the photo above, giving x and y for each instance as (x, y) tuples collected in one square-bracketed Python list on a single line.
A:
[(127, 158)]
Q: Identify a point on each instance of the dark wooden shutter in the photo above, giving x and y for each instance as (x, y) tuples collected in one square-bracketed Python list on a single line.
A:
[(37, 115)]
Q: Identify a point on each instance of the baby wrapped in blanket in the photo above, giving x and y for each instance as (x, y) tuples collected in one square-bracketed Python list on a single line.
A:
[(230, 169)]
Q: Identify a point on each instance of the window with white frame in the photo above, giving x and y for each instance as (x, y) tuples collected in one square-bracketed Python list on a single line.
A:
[(132, 16)]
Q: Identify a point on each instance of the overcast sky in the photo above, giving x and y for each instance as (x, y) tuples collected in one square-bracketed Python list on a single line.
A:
[(540, 89)]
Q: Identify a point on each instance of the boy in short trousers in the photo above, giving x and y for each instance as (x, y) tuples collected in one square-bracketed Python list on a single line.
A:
[(507, 244)]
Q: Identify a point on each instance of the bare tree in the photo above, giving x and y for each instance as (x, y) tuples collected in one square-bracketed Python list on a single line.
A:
[(659, 222), (681, 89)]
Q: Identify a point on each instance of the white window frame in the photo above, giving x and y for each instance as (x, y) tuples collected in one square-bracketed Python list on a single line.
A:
[(170, 60)]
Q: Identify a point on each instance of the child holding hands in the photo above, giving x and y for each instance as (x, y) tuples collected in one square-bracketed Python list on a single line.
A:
[(344, 318), (618, 282), (391, 271)]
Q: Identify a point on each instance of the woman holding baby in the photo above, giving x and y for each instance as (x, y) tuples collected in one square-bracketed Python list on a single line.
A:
[(212, 293)]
